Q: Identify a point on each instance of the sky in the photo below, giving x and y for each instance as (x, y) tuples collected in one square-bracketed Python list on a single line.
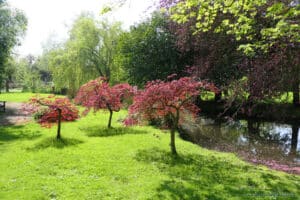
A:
[(51, 19)]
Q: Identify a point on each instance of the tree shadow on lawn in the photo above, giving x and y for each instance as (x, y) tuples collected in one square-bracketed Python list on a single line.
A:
[(56, 143), (107, 132), (194, 176), (11, 133)]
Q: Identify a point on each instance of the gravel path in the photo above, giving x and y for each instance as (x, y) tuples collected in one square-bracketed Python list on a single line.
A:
[(13, 115)]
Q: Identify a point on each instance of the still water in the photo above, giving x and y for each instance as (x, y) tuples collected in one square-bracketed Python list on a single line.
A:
[(261, 142)]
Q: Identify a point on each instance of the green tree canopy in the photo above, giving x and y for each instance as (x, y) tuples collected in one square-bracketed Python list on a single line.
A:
[(258, 23), (12, 25), (148, 51)]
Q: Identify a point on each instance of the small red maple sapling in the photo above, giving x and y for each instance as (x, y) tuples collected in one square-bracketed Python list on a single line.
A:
[(98, 94), (50, 110), (166, 101)]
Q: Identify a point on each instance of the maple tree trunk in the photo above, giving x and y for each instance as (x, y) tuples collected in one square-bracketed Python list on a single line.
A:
[(173, 131), (296, 100), (58, 136), (218, 96), (295, 130), (110, 118), (172, 144)]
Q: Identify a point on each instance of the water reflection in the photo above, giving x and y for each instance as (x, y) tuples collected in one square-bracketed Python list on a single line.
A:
[(249, 139)]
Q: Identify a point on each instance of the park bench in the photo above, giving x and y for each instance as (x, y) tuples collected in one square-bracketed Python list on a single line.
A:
[(2, 106)]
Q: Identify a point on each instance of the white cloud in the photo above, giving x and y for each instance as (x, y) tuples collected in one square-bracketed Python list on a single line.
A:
[(52, 17)]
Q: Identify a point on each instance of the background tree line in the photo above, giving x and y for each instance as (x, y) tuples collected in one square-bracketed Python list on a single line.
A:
[(249, 49)]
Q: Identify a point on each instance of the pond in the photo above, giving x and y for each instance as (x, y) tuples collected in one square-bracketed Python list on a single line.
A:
[(272, 144)]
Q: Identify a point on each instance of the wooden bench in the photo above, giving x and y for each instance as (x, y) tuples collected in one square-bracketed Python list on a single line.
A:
[(2, 106)]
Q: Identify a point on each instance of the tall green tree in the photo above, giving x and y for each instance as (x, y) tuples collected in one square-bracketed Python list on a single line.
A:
[(88, 53), (213, 56), (9, 75), (27, 74), (65, 70), (259, 26), (12, 25), (239, 18), (148, 51)]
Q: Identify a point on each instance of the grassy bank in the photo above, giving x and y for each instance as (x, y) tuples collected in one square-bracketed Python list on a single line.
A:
[(92, 162), (18, 96)]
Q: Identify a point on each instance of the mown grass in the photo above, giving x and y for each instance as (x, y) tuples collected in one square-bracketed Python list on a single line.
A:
[(93, 162), (19, 97)]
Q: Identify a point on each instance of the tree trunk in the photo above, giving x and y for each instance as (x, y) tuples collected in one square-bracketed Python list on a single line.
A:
[(198, 101), (225, 91), (295, 75), (172, 144), (58, 136), (218, 96), (296, 100), (174, 127), (294, 141), (252, 126), (7, 85), (110, 118)]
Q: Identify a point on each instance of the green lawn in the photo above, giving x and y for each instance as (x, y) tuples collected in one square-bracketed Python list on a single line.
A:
[(92, 162), (18, 96)]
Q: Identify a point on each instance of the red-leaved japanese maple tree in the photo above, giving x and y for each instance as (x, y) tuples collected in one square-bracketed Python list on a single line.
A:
[(98, 94), (167, 101), (50, 110)]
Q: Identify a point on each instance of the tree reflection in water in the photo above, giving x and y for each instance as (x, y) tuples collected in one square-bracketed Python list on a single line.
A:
[(252, 140)]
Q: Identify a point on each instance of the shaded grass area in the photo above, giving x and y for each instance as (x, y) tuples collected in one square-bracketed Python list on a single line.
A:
[(20, 96), (20, 133), (54, 143), (93, 162), (97, 131)]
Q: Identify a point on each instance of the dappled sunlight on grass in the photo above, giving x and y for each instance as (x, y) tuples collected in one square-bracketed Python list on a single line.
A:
[(213, 177)]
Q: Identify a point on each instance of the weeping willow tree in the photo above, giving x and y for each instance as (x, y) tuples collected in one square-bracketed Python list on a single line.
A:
[(88, 53)]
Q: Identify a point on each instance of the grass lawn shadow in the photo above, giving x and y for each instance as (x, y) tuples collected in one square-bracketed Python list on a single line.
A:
[(12, 133), (194, 176), (107, 132), (55, 143)]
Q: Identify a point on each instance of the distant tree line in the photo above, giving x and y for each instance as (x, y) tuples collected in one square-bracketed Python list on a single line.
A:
[(248, 49)]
